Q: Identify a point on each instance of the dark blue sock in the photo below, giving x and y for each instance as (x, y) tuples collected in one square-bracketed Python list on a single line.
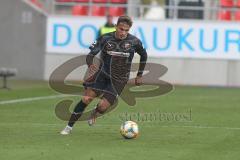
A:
[(77, 112)]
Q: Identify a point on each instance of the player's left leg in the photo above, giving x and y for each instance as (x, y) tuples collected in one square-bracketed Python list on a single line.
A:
[(89, 95)]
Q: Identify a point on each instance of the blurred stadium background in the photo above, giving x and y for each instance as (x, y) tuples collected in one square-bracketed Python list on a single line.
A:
[(197, 40)]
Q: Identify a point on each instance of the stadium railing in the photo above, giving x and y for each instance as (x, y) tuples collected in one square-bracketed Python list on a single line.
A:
[(225, 10)]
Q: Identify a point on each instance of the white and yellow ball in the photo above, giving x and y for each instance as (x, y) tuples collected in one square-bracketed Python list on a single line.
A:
[(129, 130)]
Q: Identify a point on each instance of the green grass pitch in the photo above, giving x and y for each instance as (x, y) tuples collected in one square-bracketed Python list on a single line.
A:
[(190, 123)]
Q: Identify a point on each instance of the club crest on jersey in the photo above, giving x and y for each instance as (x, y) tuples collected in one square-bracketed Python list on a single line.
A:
[(126, 45)]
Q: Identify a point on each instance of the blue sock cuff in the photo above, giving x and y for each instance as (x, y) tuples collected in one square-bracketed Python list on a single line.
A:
[(80, 107)]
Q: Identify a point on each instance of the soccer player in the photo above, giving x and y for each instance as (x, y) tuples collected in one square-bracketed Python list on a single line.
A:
[(117, 50)]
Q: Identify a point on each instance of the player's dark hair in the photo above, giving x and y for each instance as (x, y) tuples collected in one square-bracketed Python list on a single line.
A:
[(125, 19)]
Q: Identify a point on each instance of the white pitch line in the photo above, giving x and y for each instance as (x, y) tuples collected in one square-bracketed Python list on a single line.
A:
[(35, 99), (32, 99)]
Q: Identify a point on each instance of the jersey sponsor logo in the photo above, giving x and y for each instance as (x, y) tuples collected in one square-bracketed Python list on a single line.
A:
[(121, 54)]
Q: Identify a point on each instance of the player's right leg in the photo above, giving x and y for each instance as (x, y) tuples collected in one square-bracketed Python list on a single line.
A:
[(109, 98), (102, 106), (89, 95)]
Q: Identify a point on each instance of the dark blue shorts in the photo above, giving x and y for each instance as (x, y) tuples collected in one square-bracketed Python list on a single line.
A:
[(105, 86)]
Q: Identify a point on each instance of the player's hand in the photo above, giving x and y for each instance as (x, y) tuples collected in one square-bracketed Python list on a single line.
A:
[(138, 81)]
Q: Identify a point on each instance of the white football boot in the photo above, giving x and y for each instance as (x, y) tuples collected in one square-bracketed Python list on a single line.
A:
[(67, 130), (92, 119)]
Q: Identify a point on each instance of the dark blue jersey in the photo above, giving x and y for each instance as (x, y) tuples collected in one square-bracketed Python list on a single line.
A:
[(116, 54)]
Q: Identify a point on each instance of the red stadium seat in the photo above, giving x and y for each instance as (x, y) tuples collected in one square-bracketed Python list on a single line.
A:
[(116, 11), (238, 3), (79, 10), (100, 1), (237, 15), (118, 1), (81, 0), (98, 11), (72, 0), (225, 15), (61, 0), (226, 3)]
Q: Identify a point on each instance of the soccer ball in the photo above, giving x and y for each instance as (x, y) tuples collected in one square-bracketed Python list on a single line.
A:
[(129, 130)]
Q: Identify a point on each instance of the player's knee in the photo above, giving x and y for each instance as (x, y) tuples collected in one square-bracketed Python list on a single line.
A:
[(87, 99), (103, 105)]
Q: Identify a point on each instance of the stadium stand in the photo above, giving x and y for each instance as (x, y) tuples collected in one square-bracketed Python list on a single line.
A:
[(72, 0), (79, 10), (116, 11), (98, 10), (99, 1), (237, 15), (188, 13), (225, 15), (237, 12), (118, 1), (94, 7), (238, 3), (225, 12), (226, 3), (156, 12)]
